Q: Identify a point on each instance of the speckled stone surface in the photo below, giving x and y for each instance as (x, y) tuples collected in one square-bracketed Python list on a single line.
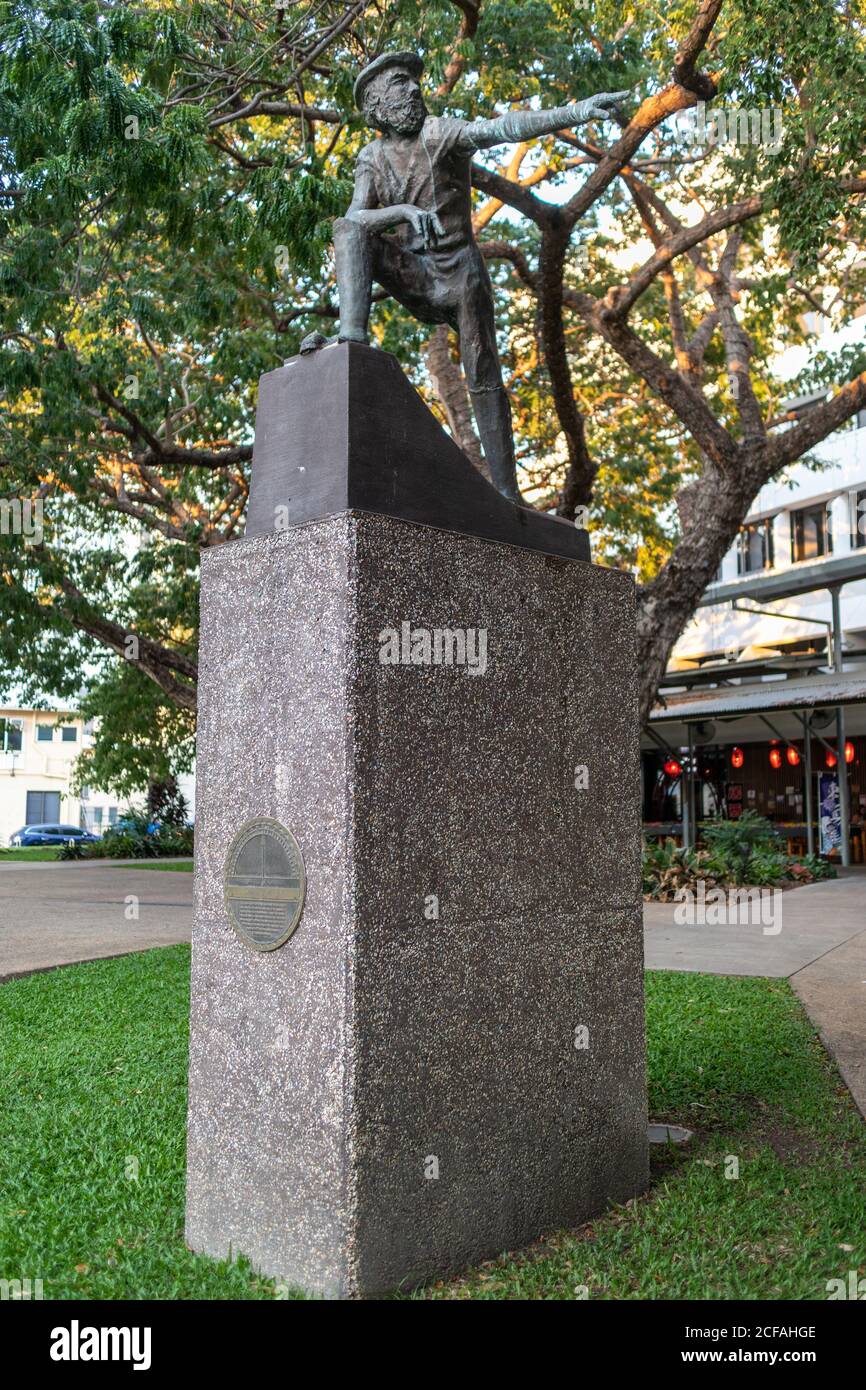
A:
[(330, 1079)]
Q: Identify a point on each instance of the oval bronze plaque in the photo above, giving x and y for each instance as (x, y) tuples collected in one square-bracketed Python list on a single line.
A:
[(264, 884)]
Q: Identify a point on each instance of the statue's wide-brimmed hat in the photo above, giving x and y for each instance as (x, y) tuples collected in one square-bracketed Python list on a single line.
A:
[(411, 61)]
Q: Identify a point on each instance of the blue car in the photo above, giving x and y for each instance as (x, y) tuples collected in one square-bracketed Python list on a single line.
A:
[(51, 835)]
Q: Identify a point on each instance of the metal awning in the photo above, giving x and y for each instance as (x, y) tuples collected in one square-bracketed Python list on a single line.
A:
[(762, 697), (802, 578), (712, 672)]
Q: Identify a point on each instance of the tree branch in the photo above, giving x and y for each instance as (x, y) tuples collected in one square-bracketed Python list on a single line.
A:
[(456, 64), (818, 422)]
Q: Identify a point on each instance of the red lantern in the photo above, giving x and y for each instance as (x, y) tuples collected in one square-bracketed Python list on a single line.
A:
[(830, 758), (775, 758), (849, 751), (737, 757), (673, 768), (792, 755)]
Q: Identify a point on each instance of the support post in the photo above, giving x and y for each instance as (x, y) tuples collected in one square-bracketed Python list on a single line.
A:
[(807, 777), (841, 765), (688, 800)]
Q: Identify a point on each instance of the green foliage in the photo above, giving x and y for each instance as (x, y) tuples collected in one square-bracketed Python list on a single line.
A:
[(166, 805), (661, 858), (737, 842), (140, 738), (738, 852), (747, 850), (131, 839), (818, 868), (163, 243), (73, 849), (766, 867), (749, 831)]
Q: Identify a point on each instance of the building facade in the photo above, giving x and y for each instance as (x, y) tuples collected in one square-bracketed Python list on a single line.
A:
[(763, 681), (808, 517), (38, 752)]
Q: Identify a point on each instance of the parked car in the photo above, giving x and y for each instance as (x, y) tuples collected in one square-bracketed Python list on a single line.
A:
[(51, 835)]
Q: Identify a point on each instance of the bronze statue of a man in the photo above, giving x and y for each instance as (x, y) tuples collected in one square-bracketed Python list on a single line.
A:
[(416, 179)]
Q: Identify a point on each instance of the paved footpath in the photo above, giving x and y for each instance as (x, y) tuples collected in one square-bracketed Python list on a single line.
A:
[(55, 914), (821, 949)]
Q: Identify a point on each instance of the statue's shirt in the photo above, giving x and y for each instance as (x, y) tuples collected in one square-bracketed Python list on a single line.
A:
[(430, 170)]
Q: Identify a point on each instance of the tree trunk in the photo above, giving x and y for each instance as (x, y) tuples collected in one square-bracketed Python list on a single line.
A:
[(450, 386), (711, 510)]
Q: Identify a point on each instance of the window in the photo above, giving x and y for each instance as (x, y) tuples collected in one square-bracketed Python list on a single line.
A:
[(811, 533), (84, 794), (861, 419), (44, 733), (69, 733), (858, 518), (11, 735), (41, 807), (755, 547), (97, 817), (112, 815)]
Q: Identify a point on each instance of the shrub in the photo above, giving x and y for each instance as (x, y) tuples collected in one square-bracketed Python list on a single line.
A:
[(735, 842), (738, 855), (817, 867), (133, 839), (73, 849)]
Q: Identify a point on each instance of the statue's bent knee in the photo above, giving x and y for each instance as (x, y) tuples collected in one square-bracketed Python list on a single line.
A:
[(346, 228)]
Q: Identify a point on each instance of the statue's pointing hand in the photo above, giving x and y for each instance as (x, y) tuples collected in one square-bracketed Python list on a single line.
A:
[(598, 108)]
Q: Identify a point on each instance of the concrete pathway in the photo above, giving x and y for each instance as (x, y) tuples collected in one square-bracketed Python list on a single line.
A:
[(55, 914), (820, 948)]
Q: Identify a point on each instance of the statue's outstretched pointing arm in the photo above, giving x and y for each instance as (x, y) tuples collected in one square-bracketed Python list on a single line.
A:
[(517, 126)]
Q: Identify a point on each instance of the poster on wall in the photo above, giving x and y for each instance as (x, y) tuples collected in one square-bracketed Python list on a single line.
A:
[(829, 812)]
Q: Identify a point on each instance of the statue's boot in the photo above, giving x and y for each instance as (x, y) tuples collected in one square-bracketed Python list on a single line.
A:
[(354, 286), (493, 416), (354, 279)]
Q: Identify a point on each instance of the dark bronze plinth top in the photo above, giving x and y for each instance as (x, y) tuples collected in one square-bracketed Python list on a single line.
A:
[(344, 430)]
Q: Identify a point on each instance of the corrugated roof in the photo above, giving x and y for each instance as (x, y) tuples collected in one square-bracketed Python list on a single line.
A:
[(762, 697)]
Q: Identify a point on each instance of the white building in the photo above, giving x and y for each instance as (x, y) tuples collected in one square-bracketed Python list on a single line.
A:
[(38, 751), (760, 696), (807, 518)]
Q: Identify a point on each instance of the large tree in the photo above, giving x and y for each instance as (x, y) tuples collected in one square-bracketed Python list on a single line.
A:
[(168, 172)]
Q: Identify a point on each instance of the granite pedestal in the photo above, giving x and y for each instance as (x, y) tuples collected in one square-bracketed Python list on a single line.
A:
[(446, 1059)]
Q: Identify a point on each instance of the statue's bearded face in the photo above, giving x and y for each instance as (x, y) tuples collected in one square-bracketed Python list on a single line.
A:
[(393, 101)]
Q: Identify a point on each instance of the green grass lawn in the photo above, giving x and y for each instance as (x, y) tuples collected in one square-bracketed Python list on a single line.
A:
[(48, 852), (92, 1113), (34, 852)]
